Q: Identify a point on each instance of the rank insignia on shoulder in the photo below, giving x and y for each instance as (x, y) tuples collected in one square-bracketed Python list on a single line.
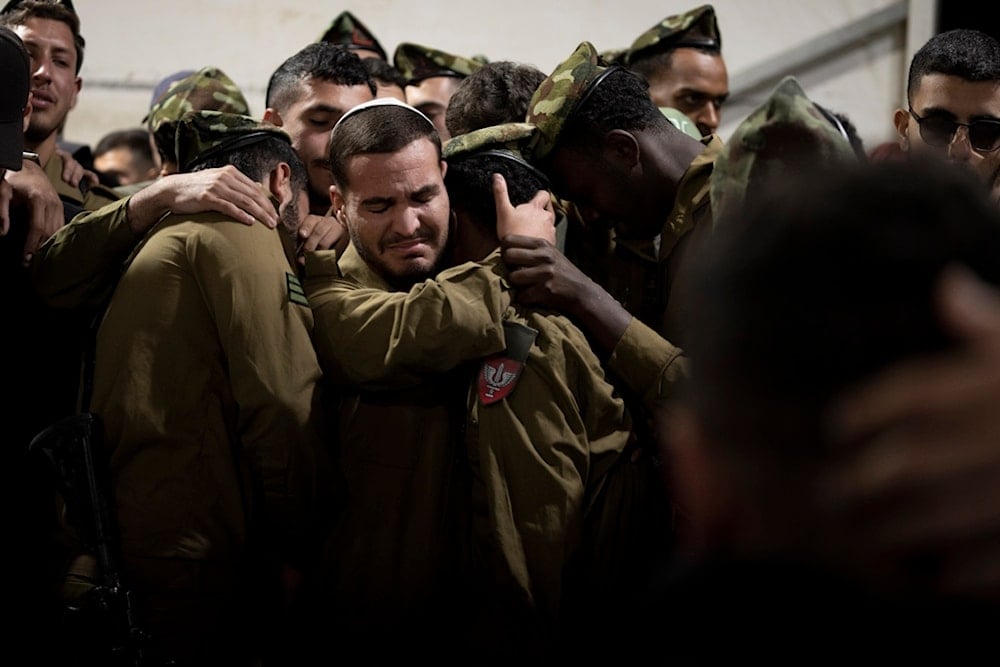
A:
[(499, 374), (295, 292)]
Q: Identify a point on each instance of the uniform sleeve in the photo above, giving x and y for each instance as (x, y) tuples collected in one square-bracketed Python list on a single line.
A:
[(378, 339), (649, 365), (79, 264), (264, 330)]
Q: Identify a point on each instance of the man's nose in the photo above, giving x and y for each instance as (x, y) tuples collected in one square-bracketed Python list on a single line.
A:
[(407, 222), (708, 118), (960, 146)]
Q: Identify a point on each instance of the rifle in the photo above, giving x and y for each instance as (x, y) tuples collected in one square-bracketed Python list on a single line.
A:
[(103, 624)]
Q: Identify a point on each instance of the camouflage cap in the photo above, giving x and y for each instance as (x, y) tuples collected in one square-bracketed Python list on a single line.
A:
[(508, 141), (207, 89), (560, 93), (203, 134), (165, 83), (787, 130), (417, 62), (697, 27), (613, 56), (347, 31)]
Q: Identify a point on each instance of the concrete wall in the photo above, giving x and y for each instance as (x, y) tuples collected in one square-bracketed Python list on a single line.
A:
[(132, 45)]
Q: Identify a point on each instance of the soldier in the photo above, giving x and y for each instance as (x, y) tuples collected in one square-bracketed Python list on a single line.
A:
[(306, 96), (606, 505), (432, 76), (207, 383), (347, 31), (51, 32), (38, 393), (640, 189), (388, 191), (640, 185), (681, 59), (395, 562)]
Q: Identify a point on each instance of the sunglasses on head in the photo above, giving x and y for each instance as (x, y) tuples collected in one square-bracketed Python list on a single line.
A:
[(984, 135)]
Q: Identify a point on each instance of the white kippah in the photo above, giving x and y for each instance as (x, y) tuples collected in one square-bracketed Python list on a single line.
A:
[(380, 102)]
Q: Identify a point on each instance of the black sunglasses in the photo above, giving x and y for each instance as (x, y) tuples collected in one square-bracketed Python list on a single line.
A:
[(984, 135)]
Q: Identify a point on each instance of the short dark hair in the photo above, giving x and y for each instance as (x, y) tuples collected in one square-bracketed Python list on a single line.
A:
[(830, 283), (470, 187), (380, 129), (258, 159), (319, 60), (619, 102), (498, 92), (384, 72), (968, 54), (52, 11), (135, 139)]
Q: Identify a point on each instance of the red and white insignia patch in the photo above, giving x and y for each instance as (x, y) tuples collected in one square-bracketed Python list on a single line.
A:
[(497, 378), (499, 374)]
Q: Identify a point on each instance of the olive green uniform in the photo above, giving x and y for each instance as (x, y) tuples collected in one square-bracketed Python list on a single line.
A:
[(79, 264), (540, 458), (642, 274), (95, 196), (537, 459), (393, 569), (207, 382)]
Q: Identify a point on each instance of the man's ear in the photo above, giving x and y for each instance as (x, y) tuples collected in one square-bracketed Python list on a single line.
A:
[(901, 119), (337, 203), (280, 183), (621, 147), (273, 117)]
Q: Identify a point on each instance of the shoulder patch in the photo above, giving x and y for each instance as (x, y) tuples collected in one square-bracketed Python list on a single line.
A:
[(499, 374), (295, 292)]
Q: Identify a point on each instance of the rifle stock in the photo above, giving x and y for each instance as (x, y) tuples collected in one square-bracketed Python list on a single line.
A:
[(104, 623)]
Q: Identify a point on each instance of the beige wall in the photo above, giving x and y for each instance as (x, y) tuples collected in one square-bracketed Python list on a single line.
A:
[(132, 45)]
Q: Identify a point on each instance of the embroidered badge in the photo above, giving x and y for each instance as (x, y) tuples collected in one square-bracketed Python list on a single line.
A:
[(295, 292), (499, 374)]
